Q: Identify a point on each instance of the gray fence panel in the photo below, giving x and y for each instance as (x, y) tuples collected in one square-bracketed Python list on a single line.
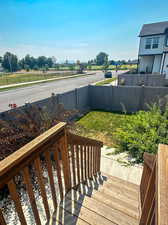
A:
[(155, 95), (100, 97), (126, 99), (139, 79), (83, 98), (68, 99)]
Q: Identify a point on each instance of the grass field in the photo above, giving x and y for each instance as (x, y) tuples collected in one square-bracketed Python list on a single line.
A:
[(100, 125), (15, 78), (111, 67), (107, 81), (95, 67)]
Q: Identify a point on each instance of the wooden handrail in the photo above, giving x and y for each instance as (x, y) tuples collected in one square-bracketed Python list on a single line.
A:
[(74, 158), (23, 155), (73, 138), (154, 188), (162, 185)]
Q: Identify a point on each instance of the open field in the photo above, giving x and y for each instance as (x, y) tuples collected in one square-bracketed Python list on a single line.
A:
[(95, 67), (112, 67), (15, 78), (100, 125)]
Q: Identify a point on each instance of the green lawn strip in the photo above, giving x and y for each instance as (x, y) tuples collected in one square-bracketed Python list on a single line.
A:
[(107, 81), (15, 78), (100, 125), (32, 84)]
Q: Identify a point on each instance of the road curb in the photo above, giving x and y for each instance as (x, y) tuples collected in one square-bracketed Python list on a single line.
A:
[(43, 81)]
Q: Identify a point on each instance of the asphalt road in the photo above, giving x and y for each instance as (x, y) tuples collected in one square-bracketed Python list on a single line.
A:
[(40, 91)]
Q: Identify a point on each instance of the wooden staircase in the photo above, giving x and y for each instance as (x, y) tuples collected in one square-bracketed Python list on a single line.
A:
[(102, 200), (79, 193)]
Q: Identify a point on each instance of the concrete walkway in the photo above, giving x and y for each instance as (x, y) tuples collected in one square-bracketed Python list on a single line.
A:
[(41, 81), (118, 166)]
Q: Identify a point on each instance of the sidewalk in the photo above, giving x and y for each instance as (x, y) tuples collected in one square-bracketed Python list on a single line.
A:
[(42, 81)]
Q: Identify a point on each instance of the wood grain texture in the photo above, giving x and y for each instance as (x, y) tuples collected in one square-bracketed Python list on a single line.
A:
[(99, 207), (51, 178), (58, 168), (2, 220), (72, 147), (39, 173), (162, 185), (18, 156), (65, 162), (15, 197), (78, 164), (150, 192), (29, 188)]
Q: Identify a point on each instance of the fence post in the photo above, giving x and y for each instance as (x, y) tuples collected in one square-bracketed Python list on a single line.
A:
[(76, 98)]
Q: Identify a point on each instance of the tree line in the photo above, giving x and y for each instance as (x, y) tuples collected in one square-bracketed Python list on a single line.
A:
[(11, 63)]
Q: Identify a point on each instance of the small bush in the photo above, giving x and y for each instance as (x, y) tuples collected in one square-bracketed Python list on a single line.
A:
[(143, 132)]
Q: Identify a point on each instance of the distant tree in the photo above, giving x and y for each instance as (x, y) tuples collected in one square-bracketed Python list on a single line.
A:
[(30, 61), (27, 68), (10, 62), (35, 67), (101, 59), (21, 63), (50, 62), (112, 62), (1, 59), (41, 61), (54, 60)]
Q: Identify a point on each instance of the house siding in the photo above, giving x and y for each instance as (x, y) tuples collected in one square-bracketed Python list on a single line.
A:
[(159, 50)]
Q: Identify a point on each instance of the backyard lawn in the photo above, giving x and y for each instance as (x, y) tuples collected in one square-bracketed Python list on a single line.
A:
[(135, 133), (101, 126)]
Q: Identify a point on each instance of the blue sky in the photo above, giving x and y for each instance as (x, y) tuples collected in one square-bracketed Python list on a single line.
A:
[(76, 29)]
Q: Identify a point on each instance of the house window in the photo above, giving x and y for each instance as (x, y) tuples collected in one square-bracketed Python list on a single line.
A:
[(148, 43), (155, 42)]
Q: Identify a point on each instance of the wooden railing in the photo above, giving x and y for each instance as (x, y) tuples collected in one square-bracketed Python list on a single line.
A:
[(73, 158), (85, 158), (154, 188)]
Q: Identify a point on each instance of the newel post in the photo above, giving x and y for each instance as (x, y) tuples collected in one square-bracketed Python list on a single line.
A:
[(66, 161)]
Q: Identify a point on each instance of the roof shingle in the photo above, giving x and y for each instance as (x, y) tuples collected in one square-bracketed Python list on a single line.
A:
[(153, 28)]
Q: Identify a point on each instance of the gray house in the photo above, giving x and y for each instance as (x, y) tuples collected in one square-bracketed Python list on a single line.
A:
[(153, 48)]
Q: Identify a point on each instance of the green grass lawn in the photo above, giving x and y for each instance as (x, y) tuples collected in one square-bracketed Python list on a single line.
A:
[(112, 67), (100, 125), (15, 78), (107, 81)]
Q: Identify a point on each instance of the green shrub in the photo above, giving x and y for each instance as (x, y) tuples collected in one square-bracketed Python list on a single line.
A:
[(143, 132)]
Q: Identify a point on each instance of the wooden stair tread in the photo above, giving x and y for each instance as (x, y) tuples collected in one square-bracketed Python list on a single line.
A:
[(113, 202), (119, 181), (84, 213), (114, 193), (63, 217), (112, 214), (122, 190)]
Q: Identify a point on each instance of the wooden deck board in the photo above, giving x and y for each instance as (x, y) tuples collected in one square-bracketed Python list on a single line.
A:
[(63, 217), (102, 209), (117, 180), (84, 213), (100, 201)]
